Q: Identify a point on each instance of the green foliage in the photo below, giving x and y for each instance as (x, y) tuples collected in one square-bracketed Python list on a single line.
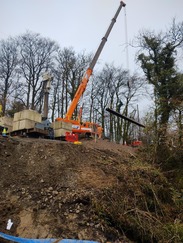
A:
[(141, 205), (174, 232), (158, 61), (174, 164)]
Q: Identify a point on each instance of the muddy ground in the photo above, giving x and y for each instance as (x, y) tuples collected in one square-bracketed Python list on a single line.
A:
[(55, 189)]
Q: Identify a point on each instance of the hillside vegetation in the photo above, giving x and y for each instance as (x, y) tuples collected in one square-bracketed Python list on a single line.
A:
[(94, 191)]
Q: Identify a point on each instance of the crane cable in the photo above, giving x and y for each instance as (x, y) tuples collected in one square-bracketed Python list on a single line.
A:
[(129, 82), (126, 43)]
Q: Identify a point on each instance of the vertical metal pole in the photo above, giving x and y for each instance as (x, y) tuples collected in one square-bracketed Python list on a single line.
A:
[(46, 89), (46, 95)]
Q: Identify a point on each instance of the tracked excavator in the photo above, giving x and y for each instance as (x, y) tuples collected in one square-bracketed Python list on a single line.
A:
[(87, 128)]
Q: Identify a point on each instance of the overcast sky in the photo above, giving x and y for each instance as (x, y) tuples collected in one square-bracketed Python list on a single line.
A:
[(82, 23)]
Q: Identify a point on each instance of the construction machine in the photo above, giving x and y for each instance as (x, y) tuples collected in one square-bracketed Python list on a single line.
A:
[(87, 128), (31, 123)]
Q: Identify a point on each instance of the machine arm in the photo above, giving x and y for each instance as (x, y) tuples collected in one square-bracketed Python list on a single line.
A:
[(89, 71)]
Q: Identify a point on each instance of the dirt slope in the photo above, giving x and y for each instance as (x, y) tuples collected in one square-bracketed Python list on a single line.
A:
[(54, 189)]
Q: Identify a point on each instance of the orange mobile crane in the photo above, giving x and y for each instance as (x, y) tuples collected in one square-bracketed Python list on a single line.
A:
[(88, 128)]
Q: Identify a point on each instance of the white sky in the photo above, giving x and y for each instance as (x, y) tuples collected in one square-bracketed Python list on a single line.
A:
[(82, 23)]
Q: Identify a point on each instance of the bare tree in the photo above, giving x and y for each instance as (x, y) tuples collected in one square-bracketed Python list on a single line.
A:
[(57, 94), (105, 85), (8, 64), (36, 57), (112, 90), (70, 70)]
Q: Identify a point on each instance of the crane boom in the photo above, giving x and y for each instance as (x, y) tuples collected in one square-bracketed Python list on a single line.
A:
[(89, 71)]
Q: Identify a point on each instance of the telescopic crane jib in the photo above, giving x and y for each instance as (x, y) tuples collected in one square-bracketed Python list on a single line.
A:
[(68, 117)]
